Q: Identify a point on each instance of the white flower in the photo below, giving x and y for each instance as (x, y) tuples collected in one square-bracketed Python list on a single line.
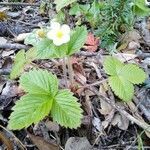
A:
[(59, 34)]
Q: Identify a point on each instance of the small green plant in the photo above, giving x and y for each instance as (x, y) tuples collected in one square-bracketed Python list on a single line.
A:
[(43, 97), (123, 77), (42, 93), (110, 18)]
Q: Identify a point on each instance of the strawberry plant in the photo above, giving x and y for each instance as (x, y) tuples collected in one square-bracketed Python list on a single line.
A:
[(42, 93), (122, 77), (43, 97)]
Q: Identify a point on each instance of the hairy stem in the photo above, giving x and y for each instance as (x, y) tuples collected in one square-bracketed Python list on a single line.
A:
[(70, 70), (64, 66)]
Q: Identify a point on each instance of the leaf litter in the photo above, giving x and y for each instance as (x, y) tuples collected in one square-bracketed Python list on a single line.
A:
[(108, 125)]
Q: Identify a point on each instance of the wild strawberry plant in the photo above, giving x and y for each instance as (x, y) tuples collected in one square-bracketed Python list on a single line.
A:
[(43, 97), (42, 94), (122, 77)]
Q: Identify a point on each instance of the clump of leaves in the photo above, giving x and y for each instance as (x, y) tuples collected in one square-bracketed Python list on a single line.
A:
[(44, 97), (110, 18), (123, 77), (46, 49)]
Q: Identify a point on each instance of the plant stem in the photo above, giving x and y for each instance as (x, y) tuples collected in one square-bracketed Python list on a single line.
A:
[(70, 70), (64, 66)]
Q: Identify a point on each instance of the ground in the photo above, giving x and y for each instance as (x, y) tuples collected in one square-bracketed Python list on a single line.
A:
[(108, 122)]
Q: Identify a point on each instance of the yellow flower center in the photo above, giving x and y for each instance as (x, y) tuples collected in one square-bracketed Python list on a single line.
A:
[(41, 33), (59, 34)]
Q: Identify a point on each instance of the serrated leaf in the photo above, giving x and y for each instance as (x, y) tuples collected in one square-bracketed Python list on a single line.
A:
[(133, 74), (111, 65), (29, 109), (122, 77), (121, 87), (32, 38), (31, 55), (66, 110), (63, 3), (39, 81), (19, 63), (78, 39), (21, 60), (44, 50)]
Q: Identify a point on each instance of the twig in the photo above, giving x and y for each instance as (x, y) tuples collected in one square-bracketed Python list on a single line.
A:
[(95, 83), (18, 4), (65, 72), (143, 125), (70, 71), (13, 46), (24, 148), (90, 54), (6, 141)]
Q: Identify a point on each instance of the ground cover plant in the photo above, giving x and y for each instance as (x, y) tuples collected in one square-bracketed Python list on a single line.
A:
[(75, 75)]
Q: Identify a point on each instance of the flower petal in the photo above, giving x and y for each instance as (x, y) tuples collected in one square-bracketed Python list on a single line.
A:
[(51, 34), (65, 38), (65, 28), (57, 42), (55, 25)]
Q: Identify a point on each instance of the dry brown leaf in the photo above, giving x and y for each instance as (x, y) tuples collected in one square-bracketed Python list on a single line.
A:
[(52, 126), (78, 143), (123, 57), (92, 43), (42, 144), (121, 121), (129, 42)]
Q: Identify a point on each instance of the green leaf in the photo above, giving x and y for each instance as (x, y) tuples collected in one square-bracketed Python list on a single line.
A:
[(78, 39), (41, 98), (75, 10), (31, 55), (140, 8), (44, 50), (21, 60), (39, 81), (121, 87), (29, 109), (63, 3), (111, 65), (32, 38), (66, 110), (19, 63), (133, 74), (122, 77)]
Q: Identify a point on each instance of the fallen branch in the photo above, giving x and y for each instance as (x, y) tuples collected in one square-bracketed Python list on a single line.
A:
[(13, 46), (18, 4), (141, 124)]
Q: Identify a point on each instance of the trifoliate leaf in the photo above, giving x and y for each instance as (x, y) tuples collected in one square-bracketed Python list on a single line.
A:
[(77, 40), (133, 74), (39, 82), (29, 109), (62, 3), (122, 77), (19, 63), (66, 110), (42, 97), (121, 87), (111, 65)]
